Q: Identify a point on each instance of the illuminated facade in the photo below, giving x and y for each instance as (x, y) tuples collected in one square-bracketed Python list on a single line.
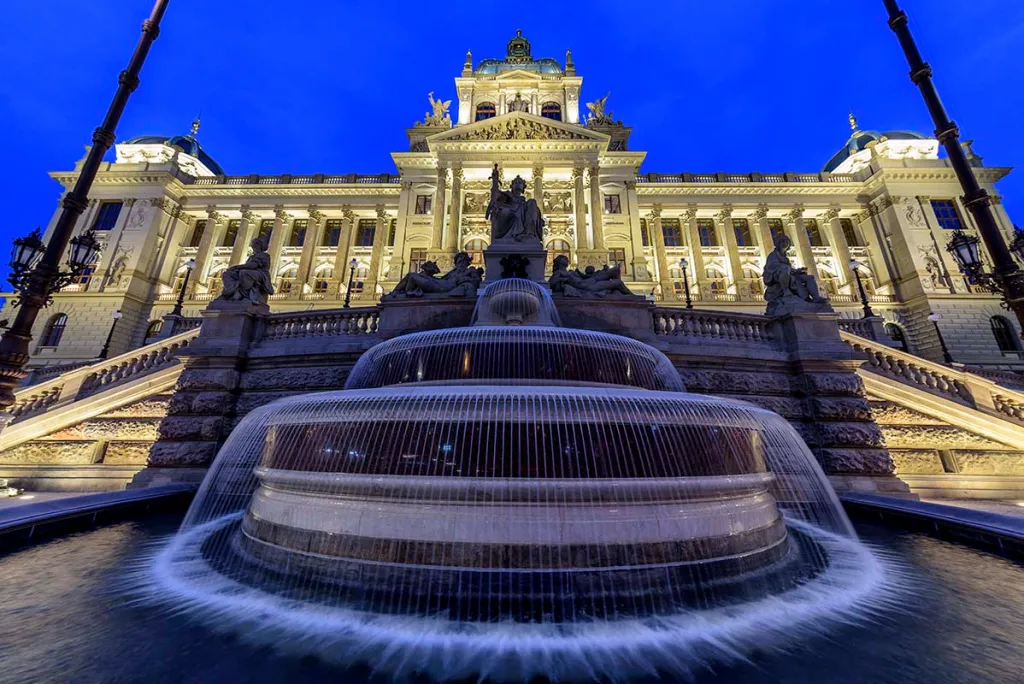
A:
[(885, 200)]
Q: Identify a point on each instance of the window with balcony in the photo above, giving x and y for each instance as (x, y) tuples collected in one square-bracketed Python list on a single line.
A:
[(706, 233), (54, 330), (813, 232), (947, 215), (485, 110), (423, 204), (849, 232), (106, 217), (741, 227), (197, 233), (551, 110), (298, 234), (1006, 337), (231, 233), (266, 228), (367, 229), (672, 232), (417, 257), (332, 232), (475, 250), (612, 204), (776, 230)]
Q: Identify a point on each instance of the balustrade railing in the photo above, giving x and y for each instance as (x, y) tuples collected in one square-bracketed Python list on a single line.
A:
[(745, 178), (325, 323), (288, 179), (962, 387), (102, 375), (712, 325), (857, 326)]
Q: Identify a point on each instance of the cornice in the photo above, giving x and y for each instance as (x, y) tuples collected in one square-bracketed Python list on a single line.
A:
[(748, 189)]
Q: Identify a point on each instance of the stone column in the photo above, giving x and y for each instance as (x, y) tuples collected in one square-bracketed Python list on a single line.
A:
[(764, 234), (344, 245), (724, 219), (379, 238), (501, 104), (396, 269), (803, 243), (538, 186), (640, 271), (455, 221), (309, 245), (211, 237), (246, 232), (579, 204), (668, 292), (596, 208), (110, 249), (837, 241), (689, 221), (438, 209), (282, 223)]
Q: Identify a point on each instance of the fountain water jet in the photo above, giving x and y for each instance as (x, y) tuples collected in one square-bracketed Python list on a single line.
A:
[(516, 498)]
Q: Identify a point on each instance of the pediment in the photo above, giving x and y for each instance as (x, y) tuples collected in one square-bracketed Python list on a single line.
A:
[(519, 75), (516, 126)]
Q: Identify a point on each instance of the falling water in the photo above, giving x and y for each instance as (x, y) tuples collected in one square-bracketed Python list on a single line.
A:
[(512, 499)]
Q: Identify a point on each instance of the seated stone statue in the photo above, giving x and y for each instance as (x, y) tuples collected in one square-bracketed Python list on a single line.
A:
[(782, 281), (251, 280), (592, 283), (463, 280)]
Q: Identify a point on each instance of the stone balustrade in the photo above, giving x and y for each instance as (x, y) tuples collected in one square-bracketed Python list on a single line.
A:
[(288, 179), (958, 386), (99, 376), (823, 177), (324, 323), (712, 325), (860, 327)]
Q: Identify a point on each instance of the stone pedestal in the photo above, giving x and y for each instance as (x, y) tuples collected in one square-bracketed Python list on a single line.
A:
[(532, 250)]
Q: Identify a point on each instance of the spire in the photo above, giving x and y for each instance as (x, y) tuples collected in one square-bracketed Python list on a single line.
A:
[(570, 68), (196, 122), (467, 66), (853, 122)]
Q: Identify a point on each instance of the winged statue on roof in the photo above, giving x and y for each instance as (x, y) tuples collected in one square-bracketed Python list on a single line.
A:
[(438, 114)]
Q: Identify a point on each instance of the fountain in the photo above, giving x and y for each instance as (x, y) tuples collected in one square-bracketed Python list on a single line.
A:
[(516, 498)]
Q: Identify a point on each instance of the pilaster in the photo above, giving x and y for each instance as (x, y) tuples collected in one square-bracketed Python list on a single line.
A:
[(282, 221), (798, 230), (840, 250), (596, 208), (640, 270), (246, 232), (438, 209), (579, 205), (111, 248), (345, 241), (759, 219), (689, 221), (379, 237), (455, 222), (309, 246), (667, 289), (724, 220), (211, 238)]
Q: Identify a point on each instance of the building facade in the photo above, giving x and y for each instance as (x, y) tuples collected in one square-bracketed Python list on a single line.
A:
[(165, 209)]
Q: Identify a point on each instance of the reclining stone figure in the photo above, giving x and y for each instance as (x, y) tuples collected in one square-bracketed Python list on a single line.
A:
[(463, 280), (592, 283)]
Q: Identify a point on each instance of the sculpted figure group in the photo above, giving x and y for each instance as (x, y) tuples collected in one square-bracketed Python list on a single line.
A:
[(590, 282), (463, 280)]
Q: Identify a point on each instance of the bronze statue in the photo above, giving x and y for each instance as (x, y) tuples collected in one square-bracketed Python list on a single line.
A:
[(251, 280), (512, 216), (463, 280), (593, 282)]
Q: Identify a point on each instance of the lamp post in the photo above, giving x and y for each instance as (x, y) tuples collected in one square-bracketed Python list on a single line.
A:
[(855, 266), (686, 283), (110, 335), (351, 277), (1006, 276), (38, 283), (934, 318), (189, 265)]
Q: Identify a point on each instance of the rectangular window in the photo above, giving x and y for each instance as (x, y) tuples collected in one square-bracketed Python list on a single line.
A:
[(231, 232), (849, 232), (298, 236), (776, 230), (365, 235), (266, 228), (706, 232), (672, 232), (197, 233), (417, 257), (423, 203), (612, 204), (741, 227), (813, 232), (392, 229), (106, 217), (946, 213), (616, 257), (332, 232), (645, 237)]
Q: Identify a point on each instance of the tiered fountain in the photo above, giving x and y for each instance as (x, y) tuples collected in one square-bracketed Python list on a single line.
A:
[(516, 498)]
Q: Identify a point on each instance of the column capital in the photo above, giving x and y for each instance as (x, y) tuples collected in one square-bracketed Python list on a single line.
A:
[(796, 213), (457, 175), (538, 170), (630, 184), (382, 213), (725, 214), (689, 213), (128, 202), (760, 213), (315, 215), (927, 198), (577, 173), (406, 185), (347, 213), (213, 215), (829, 214), (655, 212), (248, 214), (280, 214)]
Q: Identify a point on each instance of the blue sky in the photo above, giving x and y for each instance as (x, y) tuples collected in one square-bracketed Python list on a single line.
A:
[(314, 86)]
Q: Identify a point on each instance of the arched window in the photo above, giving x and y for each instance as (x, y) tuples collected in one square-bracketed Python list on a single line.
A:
[(558, 248), (287, 279), (896, 334), (485, 110), (153, 329), (551, 110), (717, 282), (323, 280), (359, 279), (475, 250), (1005, 335), (753, 278), (54, 330)]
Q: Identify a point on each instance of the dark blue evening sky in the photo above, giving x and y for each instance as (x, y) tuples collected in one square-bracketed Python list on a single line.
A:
[(312, 86)]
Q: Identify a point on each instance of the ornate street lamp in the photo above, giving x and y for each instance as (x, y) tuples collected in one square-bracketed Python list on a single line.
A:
[(24, 256), (189, 265), (964, 248), (110, 335), (84, 250), (855, 266), (351, 277), (686, 283), (38, 283), (1006, 277), (1017, 244), (934, 318)]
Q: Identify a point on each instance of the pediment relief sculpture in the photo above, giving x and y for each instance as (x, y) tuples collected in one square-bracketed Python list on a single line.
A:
[(516, 128)]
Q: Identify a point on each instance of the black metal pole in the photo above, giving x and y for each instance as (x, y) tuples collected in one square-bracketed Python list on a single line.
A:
[(1009, 277), (14, 346), (110, 335), (868, 313), (686, 290), (176, 311), (942, 340), (348, 292)]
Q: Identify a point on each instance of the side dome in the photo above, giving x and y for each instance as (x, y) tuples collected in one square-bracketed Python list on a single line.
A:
[(860, 140), (188, 144)]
